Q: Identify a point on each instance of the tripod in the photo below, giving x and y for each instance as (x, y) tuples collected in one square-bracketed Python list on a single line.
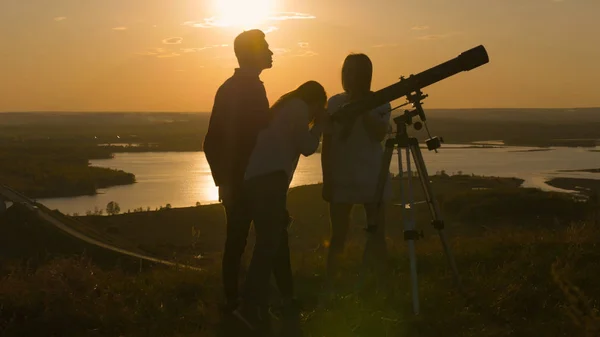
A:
[(411, 147)]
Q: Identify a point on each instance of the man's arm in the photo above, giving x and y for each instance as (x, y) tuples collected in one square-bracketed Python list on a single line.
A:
[(219, 145)]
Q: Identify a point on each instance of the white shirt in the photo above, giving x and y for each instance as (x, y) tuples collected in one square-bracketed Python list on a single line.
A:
[(356, 161), (278, 147)]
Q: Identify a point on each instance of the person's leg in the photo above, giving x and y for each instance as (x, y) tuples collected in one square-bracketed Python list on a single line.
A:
[(375, 254), (238, 225), (282, 270), (282, 267), (339, 215), (268, 199)]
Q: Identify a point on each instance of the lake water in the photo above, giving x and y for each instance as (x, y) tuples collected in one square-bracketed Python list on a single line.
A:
[(183, 178)]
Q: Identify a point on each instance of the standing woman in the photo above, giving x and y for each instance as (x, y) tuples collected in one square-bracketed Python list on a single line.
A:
[(295, 129), (351, 161)]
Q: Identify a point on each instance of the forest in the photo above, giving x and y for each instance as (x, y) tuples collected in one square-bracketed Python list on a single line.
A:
[(57, 171)]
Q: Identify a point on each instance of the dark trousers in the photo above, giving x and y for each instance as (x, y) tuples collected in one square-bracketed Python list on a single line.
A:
[(268, 202), (375, 251), (253, 204)]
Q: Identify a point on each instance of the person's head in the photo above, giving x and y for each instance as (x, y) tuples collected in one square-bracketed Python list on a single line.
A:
[(252, 50), (357, 73), (312, 93)]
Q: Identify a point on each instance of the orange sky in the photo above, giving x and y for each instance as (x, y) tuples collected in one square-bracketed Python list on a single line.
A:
[(157, 55)]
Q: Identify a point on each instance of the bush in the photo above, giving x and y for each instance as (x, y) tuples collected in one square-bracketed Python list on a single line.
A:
[(113, 208)]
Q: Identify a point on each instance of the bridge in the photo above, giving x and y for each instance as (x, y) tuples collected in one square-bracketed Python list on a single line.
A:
[(69, 226)]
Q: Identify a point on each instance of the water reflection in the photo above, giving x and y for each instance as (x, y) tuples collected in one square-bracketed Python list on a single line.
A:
[(183, 178)]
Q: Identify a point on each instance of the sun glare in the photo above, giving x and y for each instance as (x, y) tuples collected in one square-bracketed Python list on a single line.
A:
[(245, 14)]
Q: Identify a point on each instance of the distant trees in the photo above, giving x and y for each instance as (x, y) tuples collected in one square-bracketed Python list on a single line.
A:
[(113, 208), (57, 171)]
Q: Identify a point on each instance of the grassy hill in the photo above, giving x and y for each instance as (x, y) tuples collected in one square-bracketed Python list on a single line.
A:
[(528, 261)]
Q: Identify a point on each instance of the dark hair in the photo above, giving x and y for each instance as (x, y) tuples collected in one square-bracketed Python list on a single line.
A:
[(357, 73), (311, 92), (247, 43)]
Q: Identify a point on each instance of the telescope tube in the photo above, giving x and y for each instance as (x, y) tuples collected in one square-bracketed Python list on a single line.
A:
[(466, 61)]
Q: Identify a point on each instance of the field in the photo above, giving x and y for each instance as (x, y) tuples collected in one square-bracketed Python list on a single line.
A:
[(528, 261)]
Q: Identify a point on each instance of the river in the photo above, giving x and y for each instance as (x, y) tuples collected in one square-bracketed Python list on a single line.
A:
[(182, 179)]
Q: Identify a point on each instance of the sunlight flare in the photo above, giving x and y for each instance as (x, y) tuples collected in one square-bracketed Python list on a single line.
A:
[(242, 13)]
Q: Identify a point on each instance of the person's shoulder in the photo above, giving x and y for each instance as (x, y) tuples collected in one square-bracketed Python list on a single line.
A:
[(235, 88), (227, 85), (295, 106), (337, 98), (293, 110), (336, 101)]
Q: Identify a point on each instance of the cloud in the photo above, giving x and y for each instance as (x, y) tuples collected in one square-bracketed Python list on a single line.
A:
[(205, 23), (419, 28), (198, 49), (270, 29), (153, 52), (173, 52), (168, 55), (159, 53), (173, 40), (436, 36), (120, 28), (215, 22), (280, 51), (306, 53), (385, 45), (291, 16), (302, 49), (430, 37), (60, 18)]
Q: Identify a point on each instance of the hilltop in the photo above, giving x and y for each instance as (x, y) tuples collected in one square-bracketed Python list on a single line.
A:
[(527, 259)]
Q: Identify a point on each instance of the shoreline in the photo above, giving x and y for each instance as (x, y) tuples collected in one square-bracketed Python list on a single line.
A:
[(580, 185), (571, 186)]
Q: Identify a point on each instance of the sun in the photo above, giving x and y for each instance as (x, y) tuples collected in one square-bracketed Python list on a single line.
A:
[(246, 14)]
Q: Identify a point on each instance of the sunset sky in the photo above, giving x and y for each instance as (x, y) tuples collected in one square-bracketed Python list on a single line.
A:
[(159, 55)]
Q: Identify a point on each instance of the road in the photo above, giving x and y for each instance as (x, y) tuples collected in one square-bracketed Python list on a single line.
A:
[(11, 195)]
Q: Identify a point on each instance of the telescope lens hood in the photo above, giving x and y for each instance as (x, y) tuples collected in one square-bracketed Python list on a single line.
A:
[(474, 58)]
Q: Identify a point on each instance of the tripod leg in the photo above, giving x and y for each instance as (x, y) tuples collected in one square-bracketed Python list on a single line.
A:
[(438, 222), (410, 235)]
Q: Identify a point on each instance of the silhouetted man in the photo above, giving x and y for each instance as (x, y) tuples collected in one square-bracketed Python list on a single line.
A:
[(2, 205), (240, 111)]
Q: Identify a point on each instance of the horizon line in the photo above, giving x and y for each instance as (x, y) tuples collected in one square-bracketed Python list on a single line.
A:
[(208, 112)]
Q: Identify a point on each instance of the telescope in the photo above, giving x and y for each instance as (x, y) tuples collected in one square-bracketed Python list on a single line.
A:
[(466, 61), (411, 88)]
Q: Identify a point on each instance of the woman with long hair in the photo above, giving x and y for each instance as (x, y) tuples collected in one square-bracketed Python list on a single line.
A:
[(295, 129), (351, 161)]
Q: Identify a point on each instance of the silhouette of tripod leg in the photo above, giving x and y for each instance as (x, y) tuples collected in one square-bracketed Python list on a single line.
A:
[(437, 220), (410, 233)]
